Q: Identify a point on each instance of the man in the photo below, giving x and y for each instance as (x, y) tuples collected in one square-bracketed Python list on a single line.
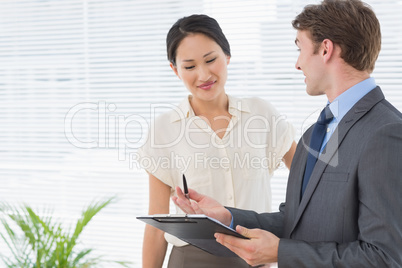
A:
[(347, 213)]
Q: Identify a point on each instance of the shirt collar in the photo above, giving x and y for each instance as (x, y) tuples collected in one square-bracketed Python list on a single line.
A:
[(236, 106), (344, 102), (183, 111)]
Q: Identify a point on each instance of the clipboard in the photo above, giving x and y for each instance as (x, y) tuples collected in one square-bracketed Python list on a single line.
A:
[(197, 230)]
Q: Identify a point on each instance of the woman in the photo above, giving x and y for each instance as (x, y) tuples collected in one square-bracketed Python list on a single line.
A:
[(228, 148)]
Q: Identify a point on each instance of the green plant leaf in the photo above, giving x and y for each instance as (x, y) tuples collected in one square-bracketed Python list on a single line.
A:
[(39, 241), (86, 217)]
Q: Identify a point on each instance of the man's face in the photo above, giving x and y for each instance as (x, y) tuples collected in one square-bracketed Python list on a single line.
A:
[(311, 63)]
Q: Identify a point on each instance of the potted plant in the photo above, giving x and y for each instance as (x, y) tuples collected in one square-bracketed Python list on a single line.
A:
[(39, 240)]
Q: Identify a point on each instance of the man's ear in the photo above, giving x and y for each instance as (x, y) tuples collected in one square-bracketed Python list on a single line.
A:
[(327, 49), (174, 68)]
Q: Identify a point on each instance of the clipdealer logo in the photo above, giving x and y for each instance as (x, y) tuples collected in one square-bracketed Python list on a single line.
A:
[(90, 125), (199, 161), (110, 128)]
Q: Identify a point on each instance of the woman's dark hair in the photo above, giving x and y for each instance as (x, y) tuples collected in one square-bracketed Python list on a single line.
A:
[(194, 24)]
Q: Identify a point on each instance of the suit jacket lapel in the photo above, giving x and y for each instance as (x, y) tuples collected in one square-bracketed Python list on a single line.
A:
[(331, 150)]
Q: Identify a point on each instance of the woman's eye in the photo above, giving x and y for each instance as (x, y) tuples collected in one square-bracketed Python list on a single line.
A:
[(189, 67), (209, 61)]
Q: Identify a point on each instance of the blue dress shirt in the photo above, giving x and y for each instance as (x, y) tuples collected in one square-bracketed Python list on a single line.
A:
[(344, 102)]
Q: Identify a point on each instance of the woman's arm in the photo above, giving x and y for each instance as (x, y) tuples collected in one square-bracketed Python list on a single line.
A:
[(288, 157), (154, 244)]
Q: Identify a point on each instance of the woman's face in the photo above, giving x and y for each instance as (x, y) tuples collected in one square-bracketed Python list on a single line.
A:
[(202, 66)]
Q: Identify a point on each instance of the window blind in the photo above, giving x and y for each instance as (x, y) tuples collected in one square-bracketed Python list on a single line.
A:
[(80, 82)]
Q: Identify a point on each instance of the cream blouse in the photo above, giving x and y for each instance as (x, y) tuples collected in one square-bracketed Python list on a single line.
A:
[(235, 170)]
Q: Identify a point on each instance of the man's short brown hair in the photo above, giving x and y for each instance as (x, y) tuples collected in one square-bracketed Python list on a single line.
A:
[(351, 24)]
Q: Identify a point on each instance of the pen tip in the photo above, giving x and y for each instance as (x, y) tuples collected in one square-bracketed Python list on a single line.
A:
[(185, 185)]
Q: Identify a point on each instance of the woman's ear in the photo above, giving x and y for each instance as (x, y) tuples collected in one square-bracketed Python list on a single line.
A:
[(227, 60), (174, 68)]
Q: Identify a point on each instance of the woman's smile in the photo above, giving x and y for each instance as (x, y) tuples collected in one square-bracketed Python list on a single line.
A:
[(207, 85)]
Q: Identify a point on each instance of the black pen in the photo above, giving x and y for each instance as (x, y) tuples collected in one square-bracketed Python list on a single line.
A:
[(185, 188)]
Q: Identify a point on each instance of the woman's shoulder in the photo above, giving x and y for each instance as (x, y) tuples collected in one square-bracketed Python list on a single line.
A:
[(172, 113), (164, 117)]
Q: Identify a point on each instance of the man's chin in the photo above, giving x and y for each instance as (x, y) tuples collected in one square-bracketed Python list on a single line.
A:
[(314, 92)]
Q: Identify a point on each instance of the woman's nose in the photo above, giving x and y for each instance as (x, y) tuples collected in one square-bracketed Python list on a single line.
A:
[(204, 74)]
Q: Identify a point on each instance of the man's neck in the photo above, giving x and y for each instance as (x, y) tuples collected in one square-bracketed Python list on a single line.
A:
[(344, 80)]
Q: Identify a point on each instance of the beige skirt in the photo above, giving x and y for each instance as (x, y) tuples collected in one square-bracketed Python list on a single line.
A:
[(192, 257)]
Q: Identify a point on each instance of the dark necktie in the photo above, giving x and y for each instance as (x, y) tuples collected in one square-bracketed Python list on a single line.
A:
[(317, 137)]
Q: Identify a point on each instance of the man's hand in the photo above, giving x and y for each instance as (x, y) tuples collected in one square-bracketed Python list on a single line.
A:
[(202, 204), (262, 248)]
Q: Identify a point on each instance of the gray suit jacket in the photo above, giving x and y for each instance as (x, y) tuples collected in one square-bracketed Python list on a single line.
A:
[(351, 212)]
